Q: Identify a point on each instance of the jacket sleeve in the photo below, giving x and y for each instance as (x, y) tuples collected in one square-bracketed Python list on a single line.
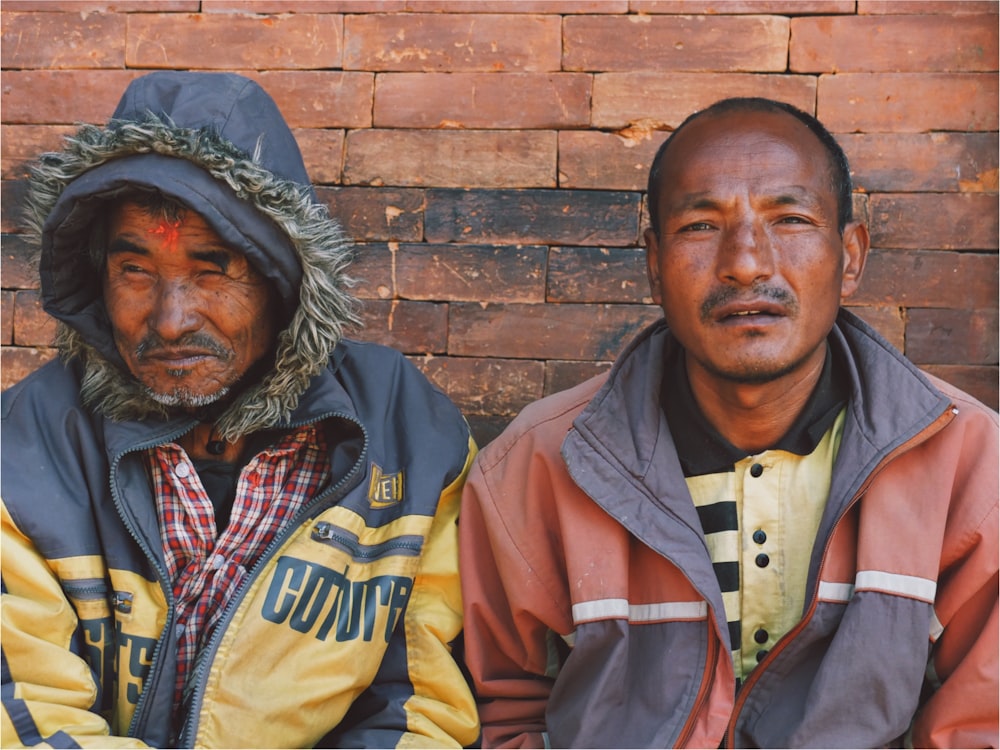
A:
[(420, 696), (962, 710), (506, 644), (48, 690)]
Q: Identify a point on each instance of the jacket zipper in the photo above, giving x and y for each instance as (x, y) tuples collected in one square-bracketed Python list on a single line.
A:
[(932, 429), (327, 534), (704, 690), (186, 736), (164, 578)]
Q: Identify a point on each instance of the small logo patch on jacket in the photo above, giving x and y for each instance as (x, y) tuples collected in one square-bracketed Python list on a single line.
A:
[(384, 489)]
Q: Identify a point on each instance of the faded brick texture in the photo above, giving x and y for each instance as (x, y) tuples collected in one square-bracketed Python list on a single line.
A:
[(489, 159)]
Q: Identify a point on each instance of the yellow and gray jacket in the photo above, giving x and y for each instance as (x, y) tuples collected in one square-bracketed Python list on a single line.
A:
[(343, 634)]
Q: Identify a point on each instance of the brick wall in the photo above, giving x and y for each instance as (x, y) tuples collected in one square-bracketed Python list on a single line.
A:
[(489, 158)]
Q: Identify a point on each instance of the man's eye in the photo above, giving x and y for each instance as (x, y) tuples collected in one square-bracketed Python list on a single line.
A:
[(794, 220), (698, 226)]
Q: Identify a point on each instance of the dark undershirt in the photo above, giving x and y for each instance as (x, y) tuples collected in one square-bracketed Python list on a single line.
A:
[(703, 450)]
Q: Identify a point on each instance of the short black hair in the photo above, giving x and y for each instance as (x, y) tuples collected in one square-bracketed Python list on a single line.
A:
[(840, 170)]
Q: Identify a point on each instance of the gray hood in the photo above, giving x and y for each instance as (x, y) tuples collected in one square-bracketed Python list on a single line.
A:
[(217, 143)]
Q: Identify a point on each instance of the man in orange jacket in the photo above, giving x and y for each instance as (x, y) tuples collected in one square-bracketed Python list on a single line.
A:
[(764, 527)]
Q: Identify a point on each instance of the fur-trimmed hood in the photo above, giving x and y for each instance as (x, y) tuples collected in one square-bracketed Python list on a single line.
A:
[(217, 143)]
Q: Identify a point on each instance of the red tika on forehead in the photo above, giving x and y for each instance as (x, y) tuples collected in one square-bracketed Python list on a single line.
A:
[(169, 231)]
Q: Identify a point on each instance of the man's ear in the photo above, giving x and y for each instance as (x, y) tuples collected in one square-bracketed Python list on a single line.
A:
[(856, 244), (653, 264)]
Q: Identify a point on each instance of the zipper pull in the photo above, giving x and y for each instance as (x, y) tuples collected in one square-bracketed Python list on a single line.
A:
[(323, 530), (122, 602)]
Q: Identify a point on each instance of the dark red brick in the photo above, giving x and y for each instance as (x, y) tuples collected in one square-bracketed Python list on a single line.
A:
[(925, 221), (20, 266), (486, 386), (377, 213), (410, 327), (451, 158), (929, 279), (482, 100), (597, 274), (653, 100), (886, 320), (563, 7), (579, 332), (532, 216), (32, 325), (965, 337), (944, 7), (320, 98), (719, 7), (756, 43), (427, 42), (898, 102), (922, 162), (893, 43), (6, 317), (302, 6), (62, 96), (323, 154), (22, 144), (12, 193), (103, 6)]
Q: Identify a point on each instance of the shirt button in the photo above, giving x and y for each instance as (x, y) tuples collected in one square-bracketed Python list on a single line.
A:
[(756, 470), (759, 536), (182, 470), (762, 560), (218, 561), (760, 635), (760, 655)]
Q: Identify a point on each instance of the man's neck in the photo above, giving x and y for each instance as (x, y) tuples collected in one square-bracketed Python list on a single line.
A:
[(754, 416)]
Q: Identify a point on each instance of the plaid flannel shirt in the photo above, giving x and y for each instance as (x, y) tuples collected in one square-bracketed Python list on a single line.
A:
[(207, 568)]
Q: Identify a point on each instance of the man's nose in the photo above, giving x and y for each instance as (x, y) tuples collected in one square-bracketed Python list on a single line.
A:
[(747, 254), (176, 310)]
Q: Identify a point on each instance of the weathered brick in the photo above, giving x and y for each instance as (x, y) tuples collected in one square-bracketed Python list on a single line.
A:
[(945, 7), (234, 42), (485, 273), (485, 385), (411, 327), (560, 376), (965, 337), (733, 7), (929, 279), (590, 160), (886, 320), (902, 102), (19, 268), (32, 325), (926, 221), (302, 6), (582, 332), (17, 362), (482, 100), (893, 43), (532, 216), (103, 6), (62, 40), (323, 154), (451, 158), (485, 429), (20, 145), (320, 98), (376, 214), (979, 382), (922, 162), (697, 43), (6, 317), (12, 194), (424, 42), (62, 96), (597, 274), (563, 7), (658, 101)]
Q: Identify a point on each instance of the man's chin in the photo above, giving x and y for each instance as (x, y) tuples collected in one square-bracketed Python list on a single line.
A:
[(182, 398)]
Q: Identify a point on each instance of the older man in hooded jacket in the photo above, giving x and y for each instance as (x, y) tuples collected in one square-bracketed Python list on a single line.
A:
[(224, 524)]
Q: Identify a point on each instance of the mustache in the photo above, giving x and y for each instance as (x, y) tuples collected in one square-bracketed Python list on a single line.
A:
[(154, 344), (759, 290)]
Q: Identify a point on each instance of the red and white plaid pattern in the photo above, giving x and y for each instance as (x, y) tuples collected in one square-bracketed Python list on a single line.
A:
[(206, 571)]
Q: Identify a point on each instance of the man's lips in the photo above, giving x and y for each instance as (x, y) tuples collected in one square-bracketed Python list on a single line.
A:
[(177, 357), (748, 311)]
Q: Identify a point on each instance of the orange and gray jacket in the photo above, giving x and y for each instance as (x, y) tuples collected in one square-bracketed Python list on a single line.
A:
[(594, 617), (344, 631)]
